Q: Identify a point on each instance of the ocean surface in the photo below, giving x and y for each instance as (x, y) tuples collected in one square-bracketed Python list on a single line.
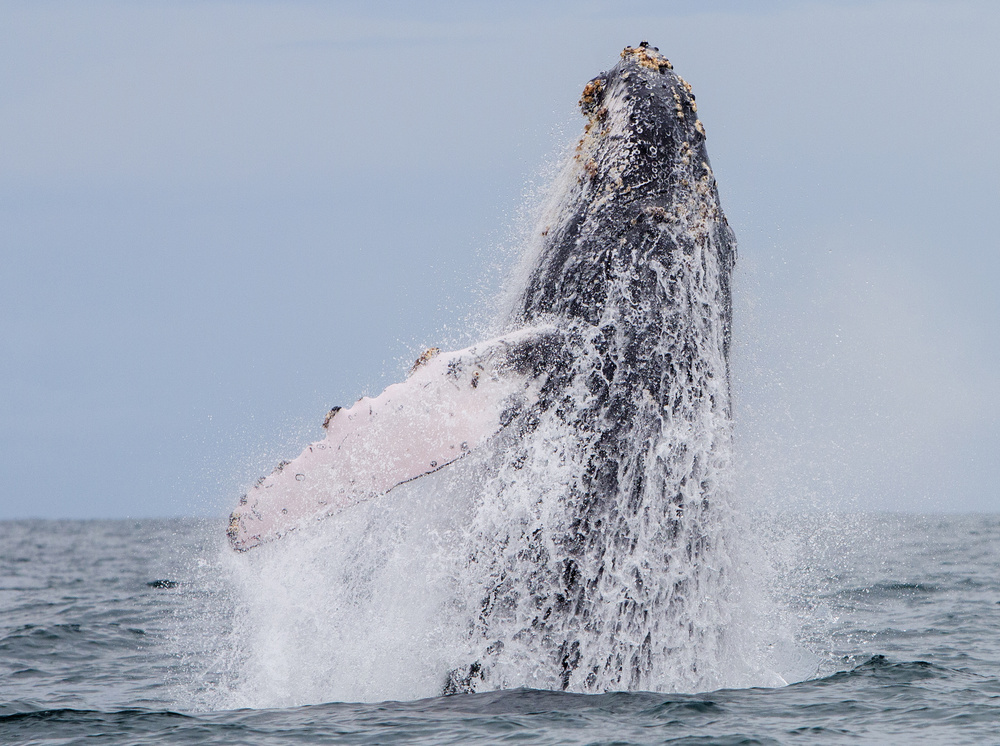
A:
[(126, 632)]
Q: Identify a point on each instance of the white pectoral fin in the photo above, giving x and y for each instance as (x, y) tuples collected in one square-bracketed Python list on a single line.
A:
[(449, 405)]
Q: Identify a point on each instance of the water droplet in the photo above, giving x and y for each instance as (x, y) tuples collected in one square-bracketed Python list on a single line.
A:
[(299, 477)]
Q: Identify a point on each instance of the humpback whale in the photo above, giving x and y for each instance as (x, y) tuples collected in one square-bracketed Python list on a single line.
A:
[(602, 408)]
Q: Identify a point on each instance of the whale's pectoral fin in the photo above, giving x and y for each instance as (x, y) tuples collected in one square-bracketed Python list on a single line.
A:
[(450, 404)]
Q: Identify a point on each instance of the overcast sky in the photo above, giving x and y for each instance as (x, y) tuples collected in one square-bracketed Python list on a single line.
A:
[(219, 219)]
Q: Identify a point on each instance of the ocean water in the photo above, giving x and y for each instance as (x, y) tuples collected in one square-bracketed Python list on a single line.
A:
[(888, 627)]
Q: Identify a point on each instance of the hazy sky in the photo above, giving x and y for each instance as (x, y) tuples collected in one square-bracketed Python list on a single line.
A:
[(219, 219)]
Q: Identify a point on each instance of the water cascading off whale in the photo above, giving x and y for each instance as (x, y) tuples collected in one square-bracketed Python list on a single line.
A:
[(603, 408)]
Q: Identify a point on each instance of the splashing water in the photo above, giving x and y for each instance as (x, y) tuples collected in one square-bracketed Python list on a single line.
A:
[(594, 543)]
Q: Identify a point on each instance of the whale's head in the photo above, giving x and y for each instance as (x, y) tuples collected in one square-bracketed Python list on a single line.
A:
[(639, 186), (642, 128)]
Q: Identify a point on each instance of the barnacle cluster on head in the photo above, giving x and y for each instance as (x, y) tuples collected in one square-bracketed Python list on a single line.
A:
[(593, 93), (647, 56)]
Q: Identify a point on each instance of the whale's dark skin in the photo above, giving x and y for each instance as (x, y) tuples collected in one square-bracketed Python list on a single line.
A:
[(635, 266), (605, 240)]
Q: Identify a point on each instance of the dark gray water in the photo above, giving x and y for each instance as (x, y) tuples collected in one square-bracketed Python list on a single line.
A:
[(120, 632)]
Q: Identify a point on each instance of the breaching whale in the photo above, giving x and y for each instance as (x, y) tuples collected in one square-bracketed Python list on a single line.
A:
[(603, 407)]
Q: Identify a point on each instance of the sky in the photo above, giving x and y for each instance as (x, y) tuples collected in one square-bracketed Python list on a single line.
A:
[(219, 219)]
